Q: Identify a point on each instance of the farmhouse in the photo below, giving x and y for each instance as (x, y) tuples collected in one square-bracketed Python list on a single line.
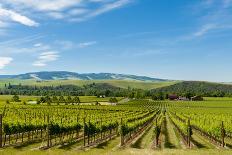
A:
[(173, 97), (197, 98), (183, 98)]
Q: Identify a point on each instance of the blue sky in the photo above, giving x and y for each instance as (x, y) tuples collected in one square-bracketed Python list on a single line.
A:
[(173, 39)]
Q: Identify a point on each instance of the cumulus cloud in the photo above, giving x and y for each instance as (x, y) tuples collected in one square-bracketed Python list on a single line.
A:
[(45, 58), (4, 61)]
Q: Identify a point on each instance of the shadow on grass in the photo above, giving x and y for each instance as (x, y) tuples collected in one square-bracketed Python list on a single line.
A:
[(68, 146), (167, 143), (102, 145), (26, 144), (105, 144), (138, 143), (199, 145)]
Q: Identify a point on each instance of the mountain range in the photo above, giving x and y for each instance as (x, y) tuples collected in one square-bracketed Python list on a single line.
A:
[(64, 75)]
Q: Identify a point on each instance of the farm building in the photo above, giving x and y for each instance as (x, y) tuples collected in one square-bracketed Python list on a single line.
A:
[(173, 97), (197, 98), (183, 98)]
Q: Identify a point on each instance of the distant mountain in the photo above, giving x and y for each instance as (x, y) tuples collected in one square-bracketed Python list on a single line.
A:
[(63, 75)]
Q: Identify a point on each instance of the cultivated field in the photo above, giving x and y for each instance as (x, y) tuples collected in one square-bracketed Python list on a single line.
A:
[(134, 127)]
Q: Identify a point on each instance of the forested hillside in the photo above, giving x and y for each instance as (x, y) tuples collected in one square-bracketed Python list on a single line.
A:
[(197, 88), (94, 89)]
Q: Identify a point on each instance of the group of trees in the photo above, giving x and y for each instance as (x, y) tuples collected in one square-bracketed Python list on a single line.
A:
[(196, 88), (113, 100), (159, 96), (186, 89), (94, 89), (60, 99)]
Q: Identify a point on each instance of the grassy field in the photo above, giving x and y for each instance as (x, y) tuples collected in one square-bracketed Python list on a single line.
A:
[(117, 83), (128, 151), (218, 98)]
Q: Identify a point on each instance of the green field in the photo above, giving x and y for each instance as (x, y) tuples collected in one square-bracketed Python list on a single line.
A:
[(117, 83), (138, 118)]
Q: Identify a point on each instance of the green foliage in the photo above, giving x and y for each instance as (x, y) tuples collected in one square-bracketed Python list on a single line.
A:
[(196, 88), (7, 102), (15, 98), (158, 96), (113, 100)]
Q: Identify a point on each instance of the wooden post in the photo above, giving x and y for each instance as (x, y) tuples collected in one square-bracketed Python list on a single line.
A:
[(88, 132), (156, 136), (0, 130), (101, 128), (48, 132), (122, 137), (84, 130), (223, 134), (189, 134), (77, 134)]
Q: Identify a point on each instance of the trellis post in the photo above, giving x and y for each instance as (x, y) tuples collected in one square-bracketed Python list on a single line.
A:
[(121, 133), (223, 134), (48, 132), (0, 130), (84, 129)]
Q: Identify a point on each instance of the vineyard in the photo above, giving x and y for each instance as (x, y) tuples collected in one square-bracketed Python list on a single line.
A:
[(136, 125)]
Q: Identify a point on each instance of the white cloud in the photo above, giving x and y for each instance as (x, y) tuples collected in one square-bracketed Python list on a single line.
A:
[(101, 10), (79, 11), (86, 44), (37, 45), (109, 7), (45, 58), (71, 10), (20, 41), (218, 17), (4, 61), (44, 5), (205, 29), (9, 15)]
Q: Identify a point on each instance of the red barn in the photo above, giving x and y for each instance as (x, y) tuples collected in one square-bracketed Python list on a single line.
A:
[(173, 97)]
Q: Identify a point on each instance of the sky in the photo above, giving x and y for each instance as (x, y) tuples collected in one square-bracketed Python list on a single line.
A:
[(171, 39)]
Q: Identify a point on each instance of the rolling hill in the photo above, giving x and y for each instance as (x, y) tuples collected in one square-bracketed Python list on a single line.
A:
[(64, 75), (198, 88), (117, 83)]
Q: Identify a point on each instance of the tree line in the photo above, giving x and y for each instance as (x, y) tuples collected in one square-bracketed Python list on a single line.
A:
[(186, 89)]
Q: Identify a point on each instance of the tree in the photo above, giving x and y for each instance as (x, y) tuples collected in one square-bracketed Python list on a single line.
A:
[(69, 99), (38, 101), (7, 102), (158, 96), (132, 95), (61, 99), (97, 103), (154, 97), (54, 99), (76, 99), (113, 100), (15, 98), (24, 102), (48, 99)]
